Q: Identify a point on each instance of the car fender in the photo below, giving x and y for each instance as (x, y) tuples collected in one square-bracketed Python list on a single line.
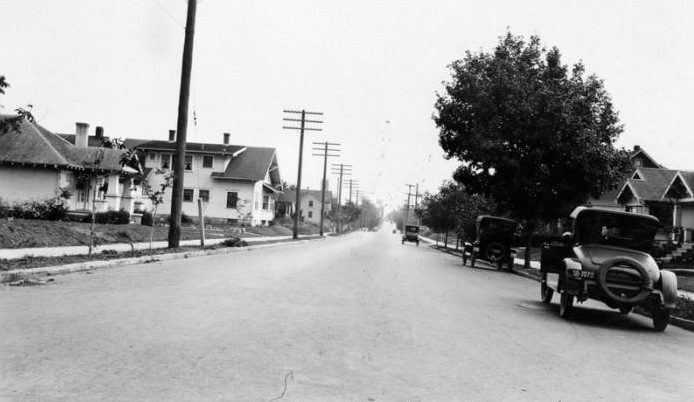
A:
[(668, 287)]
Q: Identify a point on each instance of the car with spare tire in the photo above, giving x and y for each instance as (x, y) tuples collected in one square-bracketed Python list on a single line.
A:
[(495, 238), (606, 258)]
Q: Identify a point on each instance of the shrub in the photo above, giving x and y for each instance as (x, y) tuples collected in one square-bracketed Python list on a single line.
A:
[(234, 242), (147, 219), (185, 218), (50, 209), (121, 217)]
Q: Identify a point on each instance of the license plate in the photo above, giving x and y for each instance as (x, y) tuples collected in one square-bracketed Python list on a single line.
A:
[(580, 274)]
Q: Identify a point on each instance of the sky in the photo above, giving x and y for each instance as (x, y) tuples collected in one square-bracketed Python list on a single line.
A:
[(372, 67)]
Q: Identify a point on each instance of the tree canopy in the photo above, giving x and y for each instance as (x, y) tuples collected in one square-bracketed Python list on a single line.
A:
[(535, 134)]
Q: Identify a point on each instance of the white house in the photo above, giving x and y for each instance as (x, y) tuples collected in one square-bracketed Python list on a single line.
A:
[(37, 164), (237, 184), (310, 204)]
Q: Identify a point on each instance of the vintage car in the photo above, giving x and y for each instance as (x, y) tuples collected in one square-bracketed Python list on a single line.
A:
[(411, 234), (494, 242), (606, 258)]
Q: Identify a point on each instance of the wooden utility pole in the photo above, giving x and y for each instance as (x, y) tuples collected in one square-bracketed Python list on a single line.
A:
[(341, 170), (181, 128), (407, 207), (328, 149), (302, 128)]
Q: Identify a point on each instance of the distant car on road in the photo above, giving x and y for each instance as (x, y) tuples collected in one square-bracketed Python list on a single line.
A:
[(411, 234), (494, 242), (606, 258)]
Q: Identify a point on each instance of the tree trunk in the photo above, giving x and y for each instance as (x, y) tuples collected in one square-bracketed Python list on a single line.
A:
[(528, 244), (151, 231), (445, 240), (93, 223)]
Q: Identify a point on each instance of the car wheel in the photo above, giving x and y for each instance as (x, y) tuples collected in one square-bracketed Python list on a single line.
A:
[(661, 318), (417, 243), (546, 292), (668, 285), (464, 257), (624, 310), (509, 264), (403, 241), (566, 305), (472, 258)]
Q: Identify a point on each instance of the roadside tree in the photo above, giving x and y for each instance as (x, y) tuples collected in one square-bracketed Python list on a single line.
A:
[(535, 134)]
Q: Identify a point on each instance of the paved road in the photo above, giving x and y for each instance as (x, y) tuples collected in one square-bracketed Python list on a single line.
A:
[(358, 318)]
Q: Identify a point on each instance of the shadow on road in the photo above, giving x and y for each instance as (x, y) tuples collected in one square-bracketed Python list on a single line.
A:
[(587, 316)]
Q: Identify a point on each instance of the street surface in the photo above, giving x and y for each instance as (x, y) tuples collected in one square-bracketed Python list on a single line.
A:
[(356, 318)]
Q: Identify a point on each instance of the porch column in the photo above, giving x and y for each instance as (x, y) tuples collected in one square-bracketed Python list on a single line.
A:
[(113, 193), (676, 215)]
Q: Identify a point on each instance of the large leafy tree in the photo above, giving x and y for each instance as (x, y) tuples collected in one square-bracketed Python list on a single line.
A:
[(535, 134)]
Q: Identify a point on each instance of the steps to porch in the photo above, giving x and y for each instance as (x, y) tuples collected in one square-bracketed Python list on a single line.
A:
[(682, 254)]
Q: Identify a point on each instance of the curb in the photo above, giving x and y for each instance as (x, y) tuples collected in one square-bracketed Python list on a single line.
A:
[(676, 321), (23, 274)]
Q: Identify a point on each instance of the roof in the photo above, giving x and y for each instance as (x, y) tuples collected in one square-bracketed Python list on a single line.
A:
[(159, 145), (651, 184), (92, 140), (33, 144), (605, 211), (251, 163), (640, 151), (290, 195)]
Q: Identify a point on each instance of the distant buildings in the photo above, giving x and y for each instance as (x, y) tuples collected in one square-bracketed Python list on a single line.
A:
[(310, 204)]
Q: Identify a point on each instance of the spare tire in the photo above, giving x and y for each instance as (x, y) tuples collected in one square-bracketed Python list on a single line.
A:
[(646, 281), (495, 251)]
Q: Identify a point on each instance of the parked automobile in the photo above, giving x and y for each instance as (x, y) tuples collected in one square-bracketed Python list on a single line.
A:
[(606, 258), (411, 234), (494, 242)]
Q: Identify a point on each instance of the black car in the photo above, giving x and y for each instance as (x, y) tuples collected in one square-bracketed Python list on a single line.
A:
[(411, 234), (494, 242), (606, 258)]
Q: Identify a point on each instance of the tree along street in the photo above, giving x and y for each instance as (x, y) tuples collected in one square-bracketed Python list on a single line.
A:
[(359, 317)]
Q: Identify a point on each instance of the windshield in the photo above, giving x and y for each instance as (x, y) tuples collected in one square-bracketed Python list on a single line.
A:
[(502, 228), (412, 229), (617, 230)]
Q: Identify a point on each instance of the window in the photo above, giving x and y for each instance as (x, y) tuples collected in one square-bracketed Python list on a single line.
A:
[(188, 194), (207, 161), (152, 156), (204, 195), (189, 162), (266, 202), (310, 204), (310, 214), (165, 161), (232, 199)]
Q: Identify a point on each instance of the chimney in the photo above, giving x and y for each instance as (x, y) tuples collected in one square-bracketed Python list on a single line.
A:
[(637, 148), (99, 133), (81, 134), (172, 135), (226, 138)]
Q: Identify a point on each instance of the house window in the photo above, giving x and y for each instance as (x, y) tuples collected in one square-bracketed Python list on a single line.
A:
[(152, 156), (207, 161), (232, 199), (310, 214), (189, 162), (310, 204), (165, 161), (188, 194), (266, 202), (204, 195)]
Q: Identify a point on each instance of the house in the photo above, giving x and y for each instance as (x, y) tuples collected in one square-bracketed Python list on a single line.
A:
[(236, 183), (310, 204), (639, 159), (664, 193), (37, 164)]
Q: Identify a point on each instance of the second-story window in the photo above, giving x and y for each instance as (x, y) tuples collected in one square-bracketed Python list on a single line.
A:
[(207, 161), (310, 204), (189, 162)]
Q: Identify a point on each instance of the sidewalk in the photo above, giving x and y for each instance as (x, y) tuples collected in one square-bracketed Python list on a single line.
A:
[(16, 253)]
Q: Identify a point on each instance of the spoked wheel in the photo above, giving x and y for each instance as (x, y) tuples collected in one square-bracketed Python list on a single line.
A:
[(464, 257), (495, 252), (546, 292), (472, 258), (661, 318), (566, 305)]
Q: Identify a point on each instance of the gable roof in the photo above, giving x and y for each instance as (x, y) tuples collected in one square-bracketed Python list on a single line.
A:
[(251, 163), (33, 144), (652, 184), (640, 151)]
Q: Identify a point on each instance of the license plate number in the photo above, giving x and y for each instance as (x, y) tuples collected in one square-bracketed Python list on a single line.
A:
[(579, 274)]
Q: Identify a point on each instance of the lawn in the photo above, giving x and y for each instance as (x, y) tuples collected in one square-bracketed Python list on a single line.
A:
[(25, 233)]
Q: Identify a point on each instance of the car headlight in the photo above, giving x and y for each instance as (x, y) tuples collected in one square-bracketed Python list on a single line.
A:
[(572, 264)]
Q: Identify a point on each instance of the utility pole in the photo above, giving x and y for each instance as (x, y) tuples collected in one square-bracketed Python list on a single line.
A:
[(302, 128), (181, 127), (342, 170), (353, 184), (329, 149), (407, 207), (416, 196)]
